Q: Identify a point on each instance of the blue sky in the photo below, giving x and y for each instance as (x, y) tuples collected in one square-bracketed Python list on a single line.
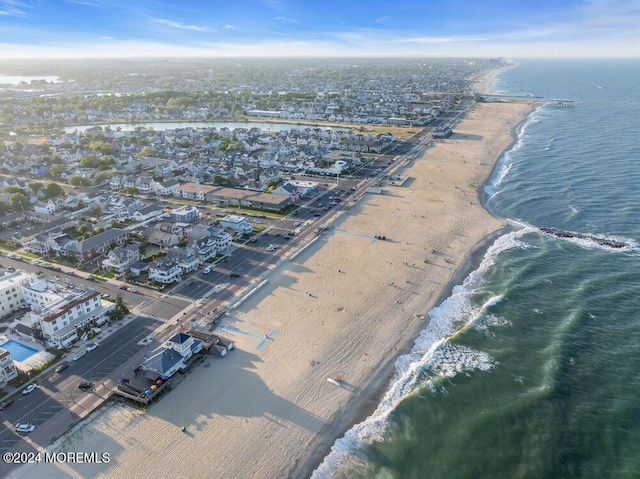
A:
[(141, 28)]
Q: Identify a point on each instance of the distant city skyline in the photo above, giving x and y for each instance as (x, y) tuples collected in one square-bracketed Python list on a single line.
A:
[(196, 28)]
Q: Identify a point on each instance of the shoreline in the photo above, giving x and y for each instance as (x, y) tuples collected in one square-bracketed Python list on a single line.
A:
[(276, 415)]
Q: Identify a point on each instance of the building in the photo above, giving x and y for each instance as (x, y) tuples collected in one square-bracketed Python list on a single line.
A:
[(165, 272), (162, 363), (187, 346), (97, 245), (62, 311), (195, 191), (237, 223), (119, 260), (183, 257), (11, 291), (185, 214), (8, 370)]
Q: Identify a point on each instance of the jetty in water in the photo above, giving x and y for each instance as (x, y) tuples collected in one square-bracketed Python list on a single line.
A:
[(572, 235)]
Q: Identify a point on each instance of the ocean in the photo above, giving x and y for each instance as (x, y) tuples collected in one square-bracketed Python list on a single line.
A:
[(531, 368)]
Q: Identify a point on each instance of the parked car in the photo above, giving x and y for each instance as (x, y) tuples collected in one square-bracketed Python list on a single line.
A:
[(207, 270), (61, 367), (92, 346), (123, 288), (297, 223), (79, 354), (29, 388), (6, 404), (84, 385), (132, 290), (25, 428)]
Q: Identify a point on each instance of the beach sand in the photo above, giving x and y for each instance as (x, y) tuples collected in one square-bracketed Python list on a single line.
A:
[(347, 306)]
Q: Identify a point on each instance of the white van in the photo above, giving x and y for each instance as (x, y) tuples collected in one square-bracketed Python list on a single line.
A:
[(207, 270)]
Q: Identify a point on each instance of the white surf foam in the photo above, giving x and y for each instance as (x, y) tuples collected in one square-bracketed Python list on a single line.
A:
[(432, 354)]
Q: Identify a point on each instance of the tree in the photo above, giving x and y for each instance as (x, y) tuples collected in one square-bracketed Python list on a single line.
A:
[(19, 201), (55, 171), (36, 186), (53, 190), (4, 208), (12, 189), (79, 181), (95, 210), (17, 147)]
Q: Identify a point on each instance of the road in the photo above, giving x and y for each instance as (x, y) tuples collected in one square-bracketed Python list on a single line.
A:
[(60, 390), (199, 294)]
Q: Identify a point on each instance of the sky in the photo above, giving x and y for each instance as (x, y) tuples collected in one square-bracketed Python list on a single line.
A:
[(197, 28)]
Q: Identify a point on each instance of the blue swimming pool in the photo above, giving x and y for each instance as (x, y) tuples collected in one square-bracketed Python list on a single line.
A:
[(18, 351)]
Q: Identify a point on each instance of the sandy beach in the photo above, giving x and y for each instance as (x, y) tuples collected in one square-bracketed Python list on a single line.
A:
[(347, 306)]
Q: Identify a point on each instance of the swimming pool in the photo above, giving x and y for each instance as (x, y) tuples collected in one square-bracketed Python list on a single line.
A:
[(18, 351)]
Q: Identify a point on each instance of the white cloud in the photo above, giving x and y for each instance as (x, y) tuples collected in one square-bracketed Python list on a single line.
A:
[(14, 8), (180, 26)]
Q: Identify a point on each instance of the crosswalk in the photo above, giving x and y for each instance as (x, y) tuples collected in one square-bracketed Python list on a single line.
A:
[(151, 316), (179, 297)]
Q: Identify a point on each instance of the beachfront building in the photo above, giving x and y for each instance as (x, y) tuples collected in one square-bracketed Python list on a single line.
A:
[(187, 346), (8, 370), (165, 272), (61, 310), (162, 363), (120, 259), (237, 223), (11, 292)]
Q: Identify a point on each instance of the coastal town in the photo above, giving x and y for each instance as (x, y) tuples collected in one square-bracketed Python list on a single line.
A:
[(132, 238)]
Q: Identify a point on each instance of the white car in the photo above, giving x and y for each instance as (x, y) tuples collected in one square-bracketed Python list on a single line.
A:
[(26, 427), (132, 290), (29, 388), (297, 223), (79, 354), (92, 346)]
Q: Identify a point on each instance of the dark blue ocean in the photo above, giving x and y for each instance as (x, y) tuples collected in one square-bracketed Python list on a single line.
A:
[(531, 369)]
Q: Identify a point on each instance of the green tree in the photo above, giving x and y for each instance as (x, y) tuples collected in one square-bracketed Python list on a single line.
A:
[(17, 147), (19, 201), (53, 190), (79, 181), (55, 171), (35, 186), (4, 208), (12, 189)]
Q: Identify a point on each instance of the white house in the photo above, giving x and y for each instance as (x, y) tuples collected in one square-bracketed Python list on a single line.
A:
[(48, 208), (236, 223), (8, 370), (11, 292), (165, 272), (187, 346), (120, 259)]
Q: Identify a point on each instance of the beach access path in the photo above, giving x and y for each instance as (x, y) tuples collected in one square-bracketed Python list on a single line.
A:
[(346, 307)]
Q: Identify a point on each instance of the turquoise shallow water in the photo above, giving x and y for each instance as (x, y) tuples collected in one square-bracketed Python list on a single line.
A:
[(530, 369)]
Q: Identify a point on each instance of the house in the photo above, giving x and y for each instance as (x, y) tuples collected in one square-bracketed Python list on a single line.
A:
[(287, 189), (204, 248), (97, 245), (119, 260), (48, 208), (165, 188), (158, 237), (115, 183), (183, 257), (164, 272), (237, 223), (8, 370), (185, 214), (162, 363), (60, 310), (143, 184), (147, 213), (186, 345)]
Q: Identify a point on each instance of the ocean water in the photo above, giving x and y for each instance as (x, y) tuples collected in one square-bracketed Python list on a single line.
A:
[(531, 368)]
